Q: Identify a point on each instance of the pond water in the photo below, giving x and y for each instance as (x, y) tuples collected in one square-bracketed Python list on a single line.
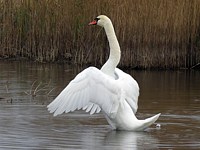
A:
[(26, 88)]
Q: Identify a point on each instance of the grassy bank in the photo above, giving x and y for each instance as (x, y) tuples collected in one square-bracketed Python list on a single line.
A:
[(152, 33)]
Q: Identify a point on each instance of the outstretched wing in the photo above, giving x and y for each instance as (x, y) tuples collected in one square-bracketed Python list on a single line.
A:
[(89, 90), (130, 87)]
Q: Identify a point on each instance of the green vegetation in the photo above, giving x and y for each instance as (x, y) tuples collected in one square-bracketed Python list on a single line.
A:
[(152, 33)]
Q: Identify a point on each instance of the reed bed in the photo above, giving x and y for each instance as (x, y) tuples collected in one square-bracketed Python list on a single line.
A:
[(152, 33)]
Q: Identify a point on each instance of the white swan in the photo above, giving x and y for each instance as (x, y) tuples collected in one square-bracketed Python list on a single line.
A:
[(109, 89)]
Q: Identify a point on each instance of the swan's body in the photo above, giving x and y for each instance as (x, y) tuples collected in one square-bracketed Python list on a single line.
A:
[(109, 89)]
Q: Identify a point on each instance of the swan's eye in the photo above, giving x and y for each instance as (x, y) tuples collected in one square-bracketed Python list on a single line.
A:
[(97, 19)]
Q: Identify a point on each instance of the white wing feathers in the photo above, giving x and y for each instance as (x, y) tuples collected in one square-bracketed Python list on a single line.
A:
[(91, 90), (92, 108), (130, 87)]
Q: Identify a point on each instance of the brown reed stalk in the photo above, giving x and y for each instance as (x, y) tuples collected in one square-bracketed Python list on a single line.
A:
[(152, 33)]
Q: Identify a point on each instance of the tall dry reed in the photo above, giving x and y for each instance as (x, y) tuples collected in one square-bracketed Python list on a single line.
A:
[(152, 33)]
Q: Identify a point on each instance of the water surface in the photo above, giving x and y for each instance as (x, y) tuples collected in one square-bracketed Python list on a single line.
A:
[(26, 88)]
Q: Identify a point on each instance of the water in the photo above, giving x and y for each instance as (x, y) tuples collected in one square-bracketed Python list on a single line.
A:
[(26, 89)]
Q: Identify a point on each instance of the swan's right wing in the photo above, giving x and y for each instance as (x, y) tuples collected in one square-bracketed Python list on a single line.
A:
[(89, 90), (130, 87)]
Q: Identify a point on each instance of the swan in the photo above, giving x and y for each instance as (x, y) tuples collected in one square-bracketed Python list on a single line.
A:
[(109, 90)]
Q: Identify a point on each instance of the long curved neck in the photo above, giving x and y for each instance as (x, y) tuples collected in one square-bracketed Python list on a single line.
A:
[(115, 53)]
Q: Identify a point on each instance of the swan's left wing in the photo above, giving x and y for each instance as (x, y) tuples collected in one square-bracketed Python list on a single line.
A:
[(89, 90)]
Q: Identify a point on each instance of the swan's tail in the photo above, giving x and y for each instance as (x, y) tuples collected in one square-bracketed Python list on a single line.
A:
[(148, 122)]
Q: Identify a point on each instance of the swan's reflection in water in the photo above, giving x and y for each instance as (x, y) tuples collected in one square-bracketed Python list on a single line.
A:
[(130, 140), (98, 138), (32, 127)]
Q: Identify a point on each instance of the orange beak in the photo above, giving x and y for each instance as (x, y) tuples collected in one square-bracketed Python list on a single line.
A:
[(94, 22)]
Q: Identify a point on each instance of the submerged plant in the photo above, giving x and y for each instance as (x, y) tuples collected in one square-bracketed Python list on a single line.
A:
[(42, 89)]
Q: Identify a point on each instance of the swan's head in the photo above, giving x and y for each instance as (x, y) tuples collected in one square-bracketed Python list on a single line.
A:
[(101, 20)]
